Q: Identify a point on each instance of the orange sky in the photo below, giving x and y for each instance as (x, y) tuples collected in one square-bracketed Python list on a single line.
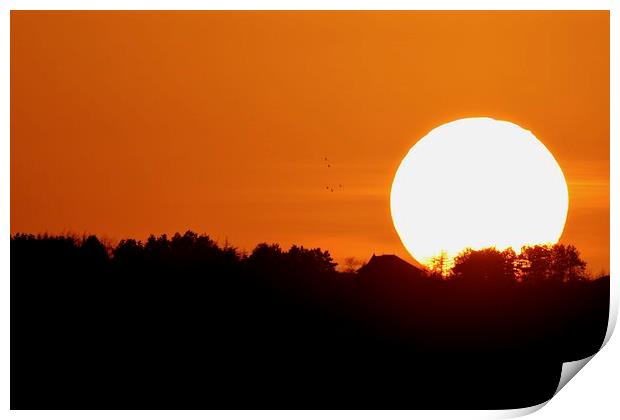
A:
[(130, 123)]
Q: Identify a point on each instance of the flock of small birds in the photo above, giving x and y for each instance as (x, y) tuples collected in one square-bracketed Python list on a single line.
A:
[(328, 187)]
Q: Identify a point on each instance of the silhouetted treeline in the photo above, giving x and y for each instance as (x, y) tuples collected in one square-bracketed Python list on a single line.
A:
[(183, 322), (557, 263)]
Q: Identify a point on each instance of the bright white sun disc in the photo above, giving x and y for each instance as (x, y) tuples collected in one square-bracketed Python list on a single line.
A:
[(476, 183)]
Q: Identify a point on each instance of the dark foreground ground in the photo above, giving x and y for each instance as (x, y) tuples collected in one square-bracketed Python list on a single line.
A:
[(195, 326)]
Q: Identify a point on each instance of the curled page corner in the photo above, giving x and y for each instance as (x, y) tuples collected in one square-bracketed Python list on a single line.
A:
[(569, 370)]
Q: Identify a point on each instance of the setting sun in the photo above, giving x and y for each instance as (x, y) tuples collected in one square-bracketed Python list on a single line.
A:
[(476, 183)]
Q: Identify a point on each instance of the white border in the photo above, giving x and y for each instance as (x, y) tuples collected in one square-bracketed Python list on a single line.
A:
[(310, 5), (593, 394)]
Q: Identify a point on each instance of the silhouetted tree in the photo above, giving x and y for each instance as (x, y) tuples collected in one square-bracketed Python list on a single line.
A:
[(440, 265), (551, 263), (313, 259), (567, 264), (93, 250), (93, 256), (351, 264), (265, 257), (128, 251), (535, 263), (484, 266)]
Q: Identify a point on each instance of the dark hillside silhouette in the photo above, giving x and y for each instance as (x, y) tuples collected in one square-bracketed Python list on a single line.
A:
[(183, 322)]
